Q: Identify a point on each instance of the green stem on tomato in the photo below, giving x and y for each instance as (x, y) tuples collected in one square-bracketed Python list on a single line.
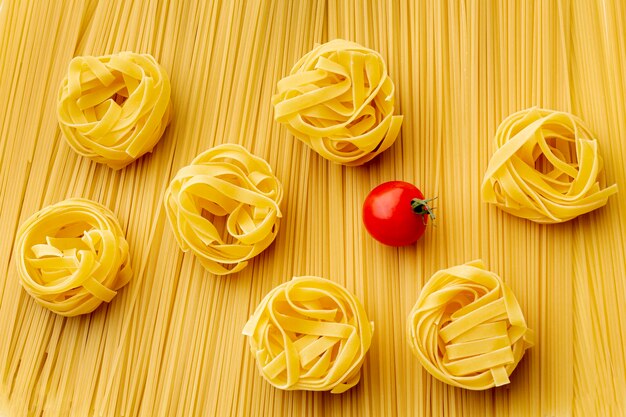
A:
[(421, 207)]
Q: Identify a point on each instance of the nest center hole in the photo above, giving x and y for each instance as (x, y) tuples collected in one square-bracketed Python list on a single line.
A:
[(120, 99)]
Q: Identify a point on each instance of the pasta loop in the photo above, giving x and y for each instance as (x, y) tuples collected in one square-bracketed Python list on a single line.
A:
[(310, 334), (72, 256), (546, 167), (467, 328), (224, 207), (114, 108), (339, 100)]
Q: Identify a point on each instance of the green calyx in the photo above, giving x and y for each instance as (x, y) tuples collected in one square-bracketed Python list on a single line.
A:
[(422, 207)]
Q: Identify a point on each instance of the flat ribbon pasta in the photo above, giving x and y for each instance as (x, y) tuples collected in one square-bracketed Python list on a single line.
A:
[(467, 328), (310, 334), (72, 256), (114, 108), (339, 100), (224, 207), (546, 167)]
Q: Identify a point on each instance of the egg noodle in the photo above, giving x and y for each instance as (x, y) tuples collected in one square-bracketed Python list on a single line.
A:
[(170, 342), (545, 167), (224, 182), (310, 334), (467, 328), (72, 256), (114, 108), (339, 100)]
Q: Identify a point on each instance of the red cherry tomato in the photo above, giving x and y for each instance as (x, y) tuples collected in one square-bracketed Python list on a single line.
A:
[(395, 213)]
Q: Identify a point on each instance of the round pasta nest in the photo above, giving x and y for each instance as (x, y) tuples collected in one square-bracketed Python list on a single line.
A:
[(310, 334), (114, 108), (467, 328), (546, 167), (339, 100), (224, 207), (72, 256)]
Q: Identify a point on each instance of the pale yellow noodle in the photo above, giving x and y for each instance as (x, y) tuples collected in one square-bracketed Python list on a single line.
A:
[(228, 184), (546, 167), (72, 256), (467, 328), (310, 334), (339, 100), (170, 342), (114, 108)]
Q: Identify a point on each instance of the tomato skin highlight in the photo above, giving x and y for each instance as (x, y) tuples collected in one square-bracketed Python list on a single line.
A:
[(389, 216)]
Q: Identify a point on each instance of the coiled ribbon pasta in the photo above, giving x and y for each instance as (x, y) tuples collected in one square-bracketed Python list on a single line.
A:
[(467, 328), (546, 167), (310, 334), (224, 207), (339, 100), (72, 256), (114, 108)]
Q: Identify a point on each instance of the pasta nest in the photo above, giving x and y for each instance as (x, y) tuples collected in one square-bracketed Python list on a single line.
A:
[(310, 334), (72, 256), (224, 207), (339, 100), (467, 328), (546, 167), (114, 108)]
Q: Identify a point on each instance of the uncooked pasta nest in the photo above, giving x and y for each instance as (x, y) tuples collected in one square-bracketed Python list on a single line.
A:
[(72, 256), (114, 108), (546, 167), (339, 100), (310, 334), (224, 207), (467, 328)]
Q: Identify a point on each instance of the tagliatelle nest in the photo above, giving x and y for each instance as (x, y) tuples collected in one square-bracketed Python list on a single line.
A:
[(310, 334), (467, 328), (72, 256), (224, 207), (339, 100), (546, 167), (114, 108)]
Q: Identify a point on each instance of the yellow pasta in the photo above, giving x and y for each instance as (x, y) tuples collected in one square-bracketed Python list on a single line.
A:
[(114, 108), (546, 167), (170, 343), (72, 256), (339, 100), (224, 207), (310, 334), (467, 328)]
